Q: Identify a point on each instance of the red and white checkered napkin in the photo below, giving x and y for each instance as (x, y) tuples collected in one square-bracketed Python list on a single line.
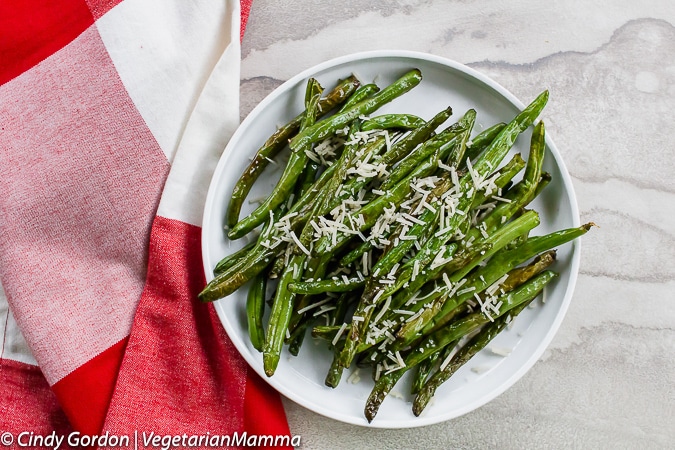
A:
[(112, 117)]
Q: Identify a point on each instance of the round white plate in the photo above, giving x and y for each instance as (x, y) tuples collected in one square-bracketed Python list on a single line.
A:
[(301, 378)]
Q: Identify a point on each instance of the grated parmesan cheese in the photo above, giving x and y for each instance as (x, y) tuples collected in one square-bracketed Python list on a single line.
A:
[(385, 307), (339, 334), (480, 369), (500, 351), (313, 305), (354, 377)]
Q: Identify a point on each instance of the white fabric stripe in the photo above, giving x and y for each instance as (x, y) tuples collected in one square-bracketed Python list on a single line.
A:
[(212, 123), (12, 342), (163, 64)]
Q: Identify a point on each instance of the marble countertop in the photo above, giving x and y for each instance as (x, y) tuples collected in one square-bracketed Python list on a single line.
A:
[(608, 378)]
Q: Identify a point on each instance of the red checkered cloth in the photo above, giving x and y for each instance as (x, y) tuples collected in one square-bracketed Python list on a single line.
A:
[(113, 115)]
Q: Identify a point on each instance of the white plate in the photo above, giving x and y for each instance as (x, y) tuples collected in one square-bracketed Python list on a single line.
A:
[(445, 83)]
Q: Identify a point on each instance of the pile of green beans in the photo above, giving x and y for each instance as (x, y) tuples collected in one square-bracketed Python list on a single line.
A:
[(402, 243)]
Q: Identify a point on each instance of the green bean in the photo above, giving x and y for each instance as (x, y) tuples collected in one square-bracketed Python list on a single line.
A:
[(232, 258), (473, 285), (229, 281), (338, 189), (362, 92), (497, 241), (375, 289), (522, 193), (544, 180), (276, 142), (396, 121), (345, 162), (427, 390), (444, 139), (246, 267), (341, 306), (255, 308), (520, 275), (292, 171), (334, 372), (498, 148), (490, 159), (321, 203), (325, 332), (304, 186), (297, 338), (483, 139), (426, 368), (450, 334), (277, 267), (456, 262), (369, 213), (425, 220), (536, 159), (322, 286), (307, 179), (357, 253), (256, 261), (238, 259), (455, 157), (505, 175), (305, 204), (328, 126), (317, 268), (504, 261), (403, 147), (280, 315)]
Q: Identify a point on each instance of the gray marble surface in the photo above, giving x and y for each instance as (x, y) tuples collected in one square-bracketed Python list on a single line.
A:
[(607, 380)]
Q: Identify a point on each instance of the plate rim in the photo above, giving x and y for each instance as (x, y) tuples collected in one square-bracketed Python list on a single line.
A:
[(574, 262)]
